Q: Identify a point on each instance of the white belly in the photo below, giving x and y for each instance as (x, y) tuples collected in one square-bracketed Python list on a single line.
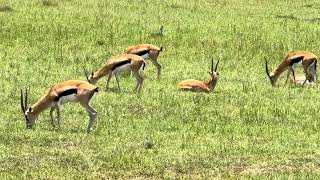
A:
[(69, 98), (145, 56), (297, 65), (125, 67)]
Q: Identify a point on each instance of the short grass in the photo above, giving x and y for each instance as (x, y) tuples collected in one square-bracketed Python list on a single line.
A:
[(245, 128)]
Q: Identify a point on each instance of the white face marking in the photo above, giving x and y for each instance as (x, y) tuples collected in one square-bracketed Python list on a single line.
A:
[(69, 98), (125, 67), (27, 112), (145, 56)]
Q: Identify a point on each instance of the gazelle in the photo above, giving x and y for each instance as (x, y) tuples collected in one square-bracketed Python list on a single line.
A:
[(58, 94), (119, 63), (147, 51), (296, 59), (201, 86)]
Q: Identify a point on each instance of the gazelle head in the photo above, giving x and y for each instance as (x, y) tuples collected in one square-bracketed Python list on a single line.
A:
[(90, 78), (214, 74), (272, 78), (27, 112)]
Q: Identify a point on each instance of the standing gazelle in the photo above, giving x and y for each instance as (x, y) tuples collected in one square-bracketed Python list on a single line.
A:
[(116, 64), (304, 59), (147, 51), (201, 86), (68, 91)]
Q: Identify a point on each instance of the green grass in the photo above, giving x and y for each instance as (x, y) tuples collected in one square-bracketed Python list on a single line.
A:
[(245, 128)]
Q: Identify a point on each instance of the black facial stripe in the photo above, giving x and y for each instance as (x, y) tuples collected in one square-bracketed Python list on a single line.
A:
[(67, 93), (141, 53), (120, 64), (296, 60)]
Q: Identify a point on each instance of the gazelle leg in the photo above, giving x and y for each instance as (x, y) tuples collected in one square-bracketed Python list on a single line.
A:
[(118, 80), (108, 81), (51, 116), (92, 115), (312, 72), (288, 75), (154, 61), (59, 115), (293, 74), (139, 79)]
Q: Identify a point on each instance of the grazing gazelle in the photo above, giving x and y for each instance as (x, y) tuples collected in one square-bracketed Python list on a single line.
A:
[(304, 59), (147, 51), (201, 86), (116, 64), (68, 91)]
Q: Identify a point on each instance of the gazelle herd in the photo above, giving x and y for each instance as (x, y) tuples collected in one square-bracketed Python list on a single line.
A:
[(134, 60)]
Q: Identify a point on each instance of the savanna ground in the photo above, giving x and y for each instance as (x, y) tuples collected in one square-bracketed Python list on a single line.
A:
[(245, 128)]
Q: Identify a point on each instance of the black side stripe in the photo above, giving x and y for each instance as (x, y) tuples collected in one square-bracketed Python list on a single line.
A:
[(120, 64), (296, 60), (67, 93), (141, 53)]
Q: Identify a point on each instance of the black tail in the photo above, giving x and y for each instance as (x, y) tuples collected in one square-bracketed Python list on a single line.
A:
[(315, 65), (96, 89), (161, 48)]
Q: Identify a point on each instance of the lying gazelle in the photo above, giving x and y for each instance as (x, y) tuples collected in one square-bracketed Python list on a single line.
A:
[(68, 91), (296, 59), (114, 65), (147, 51), (201, 86)]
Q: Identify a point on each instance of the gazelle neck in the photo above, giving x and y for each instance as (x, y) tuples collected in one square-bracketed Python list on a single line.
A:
[(279, 70), (41, 105), (211, 84), (100, 73)]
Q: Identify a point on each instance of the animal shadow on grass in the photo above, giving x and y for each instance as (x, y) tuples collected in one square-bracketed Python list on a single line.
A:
[(5, 8), (49, 3)]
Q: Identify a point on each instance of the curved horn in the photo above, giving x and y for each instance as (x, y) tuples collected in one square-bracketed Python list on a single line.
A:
[(267, 69), (21, 101), (26, 100), (215, 69), (212, 66)]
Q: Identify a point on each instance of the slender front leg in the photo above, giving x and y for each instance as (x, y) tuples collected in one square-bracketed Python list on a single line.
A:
[(288, 75), (92, 115), (59, 116), (51, 116), (118, 80), (139, 81), (108, 81), (294, 77)]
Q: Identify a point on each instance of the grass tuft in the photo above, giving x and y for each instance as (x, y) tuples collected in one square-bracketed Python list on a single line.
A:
[(5, 8)]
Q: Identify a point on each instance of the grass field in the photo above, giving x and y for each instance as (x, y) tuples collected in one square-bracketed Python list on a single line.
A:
[(245, 128)]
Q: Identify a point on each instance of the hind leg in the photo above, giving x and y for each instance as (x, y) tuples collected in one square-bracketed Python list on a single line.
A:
[(139, 79), (92, 116)]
